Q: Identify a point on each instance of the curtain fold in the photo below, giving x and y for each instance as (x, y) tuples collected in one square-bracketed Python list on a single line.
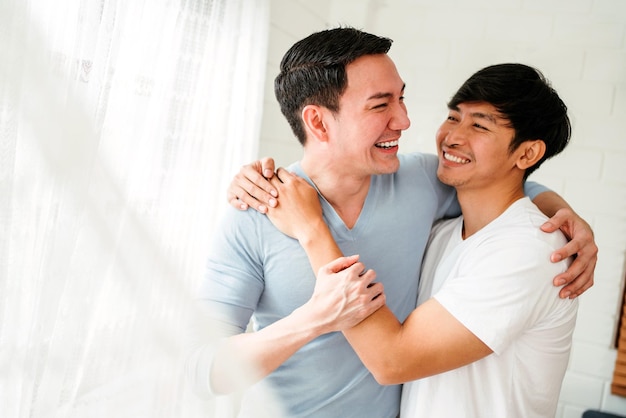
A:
[(121, 123)]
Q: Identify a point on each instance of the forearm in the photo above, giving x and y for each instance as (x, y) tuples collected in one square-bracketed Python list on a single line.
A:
[(320, 246), (379, 358), (243, 359), (550, 202), (430, 341), (382, 326)]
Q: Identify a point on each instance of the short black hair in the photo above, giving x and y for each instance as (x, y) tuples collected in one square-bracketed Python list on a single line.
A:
[(313, 71)]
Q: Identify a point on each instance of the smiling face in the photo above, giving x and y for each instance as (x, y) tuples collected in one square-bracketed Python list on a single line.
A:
[(473, 144), (372, 115)]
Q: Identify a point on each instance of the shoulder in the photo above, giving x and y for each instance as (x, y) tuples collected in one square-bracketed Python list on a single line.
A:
[(243, 229), (524, 219), (516, 238), (233, 219), (419, 168), (418, 161)]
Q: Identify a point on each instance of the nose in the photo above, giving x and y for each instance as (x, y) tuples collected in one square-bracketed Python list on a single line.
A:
[(400, 120), (454, 134)]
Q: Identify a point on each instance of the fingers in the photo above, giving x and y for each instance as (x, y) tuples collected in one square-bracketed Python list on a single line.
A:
[(559, 219), (548, 226), (284, 176), (357, 273), (374, 291), (576, 286), (372, 296), (340, 264), (570, 249), (585, 251), (234, 201), (250, 189), (368, 288), (579, 276), (267, 167)]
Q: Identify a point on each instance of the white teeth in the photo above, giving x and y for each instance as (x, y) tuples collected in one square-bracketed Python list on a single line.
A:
[(389, 144), (454, 159)]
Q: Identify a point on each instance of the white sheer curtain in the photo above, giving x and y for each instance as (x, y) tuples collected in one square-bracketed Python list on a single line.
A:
[(121, 123)]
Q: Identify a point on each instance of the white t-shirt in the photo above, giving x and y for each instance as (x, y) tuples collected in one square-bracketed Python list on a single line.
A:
[(498, 284)]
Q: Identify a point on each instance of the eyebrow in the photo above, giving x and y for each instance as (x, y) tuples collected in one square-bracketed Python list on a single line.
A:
[(480, 115), (384, 95), (488, 116)]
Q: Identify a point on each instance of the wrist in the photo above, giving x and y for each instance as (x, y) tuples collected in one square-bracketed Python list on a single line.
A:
[(317, 323), (312, 231)]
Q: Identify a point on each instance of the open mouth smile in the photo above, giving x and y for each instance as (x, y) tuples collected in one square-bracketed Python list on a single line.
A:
[(387, 145), (455, 159)]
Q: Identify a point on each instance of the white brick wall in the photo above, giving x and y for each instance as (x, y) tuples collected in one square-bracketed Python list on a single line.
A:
[(580, 45)]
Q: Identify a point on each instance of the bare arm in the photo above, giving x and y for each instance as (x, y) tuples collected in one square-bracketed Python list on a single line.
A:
[(344, 295), (430, 341), (579, 276), (299, 215), (251, 189), (328, 310), (263, 351), (242, 359)]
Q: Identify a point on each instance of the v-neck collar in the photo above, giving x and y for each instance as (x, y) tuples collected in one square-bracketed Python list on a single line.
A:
[(331, 216)]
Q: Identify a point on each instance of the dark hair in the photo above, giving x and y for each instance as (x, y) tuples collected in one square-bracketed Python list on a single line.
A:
[(313, 71), (524, 96)]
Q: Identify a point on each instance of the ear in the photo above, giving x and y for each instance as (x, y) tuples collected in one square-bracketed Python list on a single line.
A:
[(530, 152), (313, 117)]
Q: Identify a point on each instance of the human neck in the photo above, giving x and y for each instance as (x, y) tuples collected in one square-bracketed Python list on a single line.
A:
[(480, 207), (345, 192)]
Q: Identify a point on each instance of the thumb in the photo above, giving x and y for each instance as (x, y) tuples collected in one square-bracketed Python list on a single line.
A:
[(340, 264), (549, 226), (267, 167), (284, 175), (555, 222)]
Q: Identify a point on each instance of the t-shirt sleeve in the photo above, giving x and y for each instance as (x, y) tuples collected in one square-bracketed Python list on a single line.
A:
[(532, 189), (227, 296), (233, 279)]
